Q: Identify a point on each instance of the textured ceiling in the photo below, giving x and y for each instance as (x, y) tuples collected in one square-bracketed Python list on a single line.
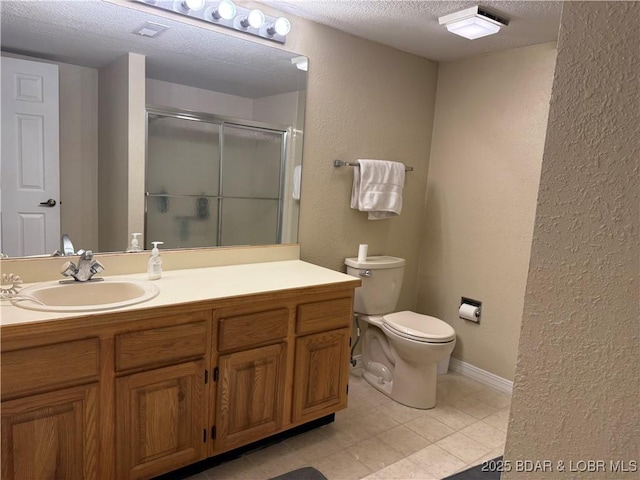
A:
[(93, 33), (413, 26)]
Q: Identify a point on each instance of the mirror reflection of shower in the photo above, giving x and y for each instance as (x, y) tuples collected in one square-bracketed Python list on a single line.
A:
[(217, 181)]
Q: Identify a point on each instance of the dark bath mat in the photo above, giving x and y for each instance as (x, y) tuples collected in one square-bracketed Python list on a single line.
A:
[(306, 473), (489, 470)]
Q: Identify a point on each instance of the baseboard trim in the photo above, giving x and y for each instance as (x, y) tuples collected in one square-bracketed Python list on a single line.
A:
[(463, 368), (482, 376)]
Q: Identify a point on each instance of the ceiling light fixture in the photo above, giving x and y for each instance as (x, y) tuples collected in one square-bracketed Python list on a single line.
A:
[(473, 23), (226, 14)]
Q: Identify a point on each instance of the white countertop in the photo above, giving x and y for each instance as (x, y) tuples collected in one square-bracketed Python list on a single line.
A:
[(200, 284)]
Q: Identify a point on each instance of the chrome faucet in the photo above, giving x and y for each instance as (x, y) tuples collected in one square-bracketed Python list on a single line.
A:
[(67, 247), (86, 269)]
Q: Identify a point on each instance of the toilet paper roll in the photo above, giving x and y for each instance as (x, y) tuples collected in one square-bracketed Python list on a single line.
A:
[(362, 252), (469, 312)]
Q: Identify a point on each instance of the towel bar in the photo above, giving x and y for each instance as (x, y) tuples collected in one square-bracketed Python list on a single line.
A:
[(340, 163)]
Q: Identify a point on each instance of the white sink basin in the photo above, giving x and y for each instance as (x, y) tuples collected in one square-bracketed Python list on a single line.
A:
[(85, 296)]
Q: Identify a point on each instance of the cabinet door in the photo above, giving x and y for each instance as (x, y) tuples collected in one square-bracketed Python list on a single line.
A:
[(160, 420), (321, 374), (250, 395), (53, 435)]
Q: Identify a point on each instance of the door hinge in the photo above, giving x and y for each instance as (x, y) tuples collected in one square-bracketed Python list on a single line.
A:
[(349, 341), (206, 376), (347, 389), (214, 432), (216, 373), (204, 435)]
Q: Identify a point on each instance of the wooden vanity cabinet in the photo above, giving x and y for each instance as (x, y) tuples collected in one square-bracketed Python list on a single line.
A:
[(320, 377), (160, 420), (322, 358), (161, 409), (141, 393), (250, 395), (52, 435), (250, 372), (50, 410)]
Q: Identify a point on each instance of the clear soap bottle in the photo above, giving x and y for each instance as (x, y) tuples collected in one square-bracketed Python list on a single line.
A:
[(154, 266), (135, 243)]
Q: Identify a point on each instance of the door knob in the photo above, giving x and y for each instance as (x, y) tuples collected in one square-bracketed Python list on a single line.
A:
[(49, 203)]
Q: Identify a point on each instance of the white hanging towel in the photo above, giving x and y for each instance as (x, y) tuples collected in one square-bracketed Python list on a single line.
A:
[(377, 188)]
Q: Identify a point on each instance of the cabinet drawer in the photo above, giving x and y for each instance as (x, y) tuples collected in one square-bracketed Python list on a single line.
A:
[(43, 368), (326, 315), (160, 346), (252, 329)]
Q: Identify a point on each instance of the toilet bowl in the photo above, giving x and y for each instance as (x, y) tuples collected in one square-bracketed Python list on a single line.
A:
[(401, 350)]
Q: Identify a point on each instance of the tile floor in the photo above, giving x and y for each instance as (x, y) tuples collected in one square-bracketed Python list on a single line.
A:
[(376, 438)]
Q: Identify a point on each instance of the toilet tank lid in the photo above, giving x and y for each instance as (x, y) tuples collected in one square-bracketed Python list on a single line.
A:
[(376, 262)]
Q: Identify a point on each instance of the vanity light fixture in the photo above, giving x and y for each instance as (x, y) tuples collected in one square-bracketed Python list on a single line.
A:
[(473, 23), (226, 14)]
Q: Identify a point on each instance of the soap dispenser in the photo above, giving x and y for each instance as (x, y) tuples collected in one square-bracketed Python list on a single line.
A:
[(154, 266), (135, 244)]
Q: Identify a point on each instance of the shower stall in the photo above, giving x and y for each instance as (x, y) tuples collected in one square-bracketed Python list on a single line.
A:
[(213, 180)]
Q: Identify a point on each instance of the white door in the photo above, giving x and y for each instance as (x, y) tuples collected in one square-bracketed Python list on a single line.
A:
[(30, 183)]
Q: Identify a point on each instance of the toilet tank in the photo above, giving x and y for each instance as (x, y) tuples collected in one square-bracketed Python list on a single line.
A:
[(380, 287)]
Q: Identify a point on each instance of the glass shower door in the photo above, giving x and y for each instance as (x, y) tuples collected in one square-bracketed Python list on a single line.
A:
[(251, 185), (182, 182)]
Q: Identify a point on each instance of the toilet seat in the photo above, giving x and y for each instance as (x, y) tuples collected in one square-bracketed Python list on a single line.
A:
[(418, 327)]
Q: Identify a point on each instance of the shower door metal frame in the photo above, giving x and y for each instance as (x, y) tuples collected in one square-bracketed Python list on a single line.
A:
[(223, 120)]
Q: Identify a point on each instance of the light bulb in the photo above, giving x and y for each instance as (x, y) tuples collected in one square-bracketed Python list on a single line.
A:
[(255, 18), (226, 9), (281, 26), (185, 6), (194, 4)]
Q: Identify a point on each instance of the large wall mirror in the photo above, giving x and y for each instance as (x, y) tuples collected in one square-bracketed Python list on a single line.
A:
[(191, 137)]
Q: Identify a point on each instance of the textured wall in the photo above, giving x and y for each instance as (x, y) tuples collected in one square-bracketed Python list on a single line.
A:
[(121, 147), (137, 146), (79, 155), (488, 138), (364, 100), (577, 383), (113, 139), (168, 94)]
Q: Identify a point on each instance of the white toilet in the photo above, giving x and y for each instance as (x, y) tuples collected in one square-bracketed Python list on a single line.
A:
[(400, 351)]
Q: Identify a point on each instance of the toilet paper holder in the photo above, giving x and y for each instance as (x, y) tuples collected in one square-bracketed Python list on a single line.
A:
[(477, 306)]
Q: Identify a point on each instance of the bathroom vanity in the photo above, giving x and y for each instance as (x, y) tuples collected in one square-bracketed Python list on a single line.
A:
[(222, 357)]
